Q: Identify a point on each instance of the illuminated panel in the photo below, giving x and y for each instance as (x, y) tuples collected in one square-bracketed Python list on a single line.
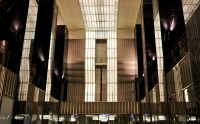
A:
[(90, 67), (154, 95), (189, 7), (100, 18), (112, 67), (36, 95), (24, 73), (51, 54), (159, 54), (99, 15), (186, 95)]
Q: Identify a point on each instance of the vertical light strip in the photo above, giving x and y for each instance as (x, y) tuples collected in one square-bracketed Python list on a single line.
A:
[(186, 96), (24, 73), (159, 54), (90, 67), (189, 7), (112, 67), (100, 17), (51, 54)]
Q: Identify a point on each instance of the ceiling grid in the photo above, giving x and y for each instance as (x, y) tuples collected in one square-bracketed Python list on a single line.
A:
[(99, 15)]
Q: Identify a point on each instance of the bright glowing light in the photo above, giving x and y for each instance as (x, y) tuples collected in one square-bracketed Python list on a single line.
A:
[(193, 118), (146, 117), (19, 117), (72, 119), (153, 58), (46, 117), (103, 118), (186, 95), (95, 117), (61, 118), (100, 18), (159, 55), (16, 25), (90, 67), (112, 117), (56, 70), (165, 25), (99, 15), (161, 117), (25, 59), (42, 57), (172, 25)]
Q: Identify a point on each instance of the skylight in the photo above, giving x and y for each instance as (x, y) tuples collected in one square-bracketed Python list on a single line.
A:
[(99, 15)]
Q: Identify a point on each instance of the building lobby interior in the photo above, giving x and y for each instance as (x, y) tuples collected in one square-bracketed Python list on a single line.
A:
[(99, 61)]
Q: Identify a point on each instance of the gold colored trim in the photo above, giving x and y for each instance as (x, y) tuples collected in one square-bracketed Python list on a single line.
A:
[(99, 107)]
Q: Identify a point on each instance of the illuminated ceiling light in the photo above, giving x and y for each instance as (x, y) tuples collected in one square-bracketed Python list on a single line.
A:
[(99, 15), (41, 56)]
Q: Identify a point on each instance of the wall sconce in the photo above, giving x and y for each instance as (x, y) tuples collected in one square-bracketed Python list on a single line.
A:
[(153, 58)]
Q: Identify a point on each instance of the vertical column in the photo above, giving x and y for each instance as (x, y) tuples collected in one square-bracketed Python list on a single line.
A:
[(189, 8), (191, 17), (159, 53), (149, 53), (139, 82), (112, 67), (24, 73), (90, 67), (145, 75), (51, 54), (177, 83)]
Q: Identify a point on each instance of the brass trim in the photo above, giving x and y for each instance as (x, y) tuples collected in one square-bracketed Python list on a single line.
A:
[(99, 107)]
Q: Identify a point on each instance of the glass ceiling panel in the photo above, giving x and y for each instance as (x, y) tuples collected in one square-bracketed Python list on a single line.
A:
[(99, 15)]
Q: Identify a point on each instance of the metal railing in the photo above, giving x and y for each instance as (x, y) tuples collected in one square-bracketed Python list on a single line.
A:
[(179, 50), (55, 92), (38, 81), (153, 80), (9, 59)]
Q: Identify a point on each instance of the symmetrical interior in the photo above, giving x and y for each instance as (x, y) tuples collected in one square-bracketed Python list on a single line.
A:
[(99, 61)]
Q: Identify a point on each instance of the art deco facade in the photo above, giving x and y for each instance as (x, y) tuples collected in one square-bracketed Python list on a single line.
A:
[(99, 61)]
